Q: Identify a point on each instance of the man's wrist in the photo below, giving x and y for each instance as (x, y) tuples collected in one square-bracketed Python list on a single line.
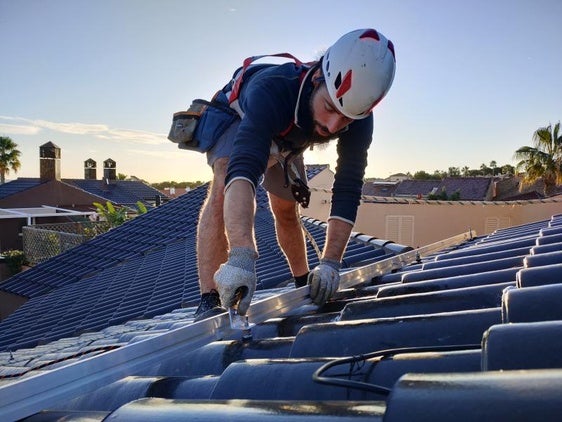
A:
[(333, 263), (244, 258)]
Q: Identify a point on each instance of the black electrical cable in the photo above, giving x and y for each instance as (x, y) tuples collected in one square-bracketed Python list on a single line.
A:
[(374, 388)]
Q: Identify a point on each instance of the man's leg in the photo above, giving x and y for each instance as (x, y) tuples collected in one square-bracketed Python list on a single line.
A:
[(290, 233), (212, 245)]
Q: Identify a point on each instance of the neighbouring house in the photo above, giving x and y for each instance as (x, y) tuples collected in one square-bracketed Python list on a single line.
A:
[(36, 198), (174, 192), (403, 212), (502, 188), (468, 188), (398, 177)]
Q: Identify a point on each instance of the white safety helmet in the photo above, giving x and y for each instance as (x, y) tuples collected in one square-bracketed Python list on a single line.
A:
[(359, 69)]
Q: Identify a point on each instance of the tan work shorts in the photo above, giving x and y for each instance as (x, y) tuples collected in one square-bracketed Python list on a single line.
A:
[(273, 180)]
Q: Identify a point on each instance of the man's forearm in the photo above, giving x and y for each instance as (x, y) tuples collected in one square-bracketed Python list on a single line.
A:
[(336, 239), (239, 210)]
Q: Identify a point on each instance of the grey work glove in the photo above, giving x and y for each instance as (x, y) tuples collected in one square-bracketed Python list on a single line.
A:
[(236, 279), (324, 280)]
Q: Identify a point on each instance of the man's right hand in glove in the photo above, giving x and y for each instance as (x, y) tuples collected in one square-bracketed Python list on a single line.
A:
[(236, 279), (324, 281)]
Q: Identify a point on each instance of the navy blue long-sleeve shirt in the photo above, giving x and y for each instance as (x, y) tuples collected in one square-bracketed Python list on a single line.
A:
[(268, 99)]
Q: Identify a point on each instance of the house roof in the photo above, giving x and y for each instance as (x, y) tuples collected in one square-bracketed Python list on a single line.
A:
[(18, 185), (470, 188), (313, 170), (379, 189), (444, 334), (120, 192), (413, 187)]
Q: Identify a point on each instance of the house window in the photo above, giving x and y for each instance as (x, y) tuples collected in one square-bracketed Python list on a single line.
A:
[(400, 229), (494, 223)]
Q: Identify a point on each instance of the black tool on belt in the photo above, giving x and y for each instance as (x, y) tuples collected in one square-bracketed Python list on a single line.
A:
[(299, 189)]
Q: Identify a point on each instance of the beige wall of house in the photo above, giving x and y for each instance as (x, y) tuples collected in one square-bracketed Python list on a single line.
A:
[(425, 223), (422, 224)]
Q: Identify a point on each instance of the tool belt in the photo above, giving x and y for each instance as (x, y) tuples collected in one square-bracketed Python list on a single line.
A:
[(201, 125)]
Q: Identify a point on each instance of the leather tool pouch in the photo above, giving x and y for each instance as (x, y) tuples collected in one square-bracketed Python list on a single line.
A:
[(201, 125)]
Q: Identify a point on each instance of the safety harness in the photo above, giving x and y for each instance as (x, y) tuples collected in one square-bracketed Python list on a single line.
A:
[(299, 189)]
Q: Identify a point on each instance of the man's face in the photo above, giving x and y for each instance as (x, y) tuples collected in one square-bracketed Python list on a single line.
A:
[(328, 121)]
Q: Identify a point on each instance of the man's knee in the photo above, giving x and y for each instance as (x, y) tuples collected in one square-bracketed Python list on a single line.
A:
[(284, 211), (219, 167), (219, 174)]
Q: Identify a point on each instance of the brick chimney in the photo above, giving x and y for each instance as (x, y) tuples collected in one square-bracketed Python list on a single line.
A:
[(49, 162), (109, 170), (90, 169)]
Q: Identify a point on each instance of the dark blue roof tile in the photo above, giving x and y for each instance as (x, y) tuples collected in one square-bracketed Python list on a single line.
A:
[(459, 311), (18, 185), (120, 192)]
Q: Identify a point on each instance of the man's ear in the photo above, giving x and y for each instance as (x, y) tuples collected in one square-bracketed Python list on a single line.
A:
[(317, 77)]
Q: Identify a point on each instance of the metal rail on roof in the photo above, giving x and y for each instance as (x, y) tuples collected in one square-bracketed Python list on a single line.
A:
[(28, 396)]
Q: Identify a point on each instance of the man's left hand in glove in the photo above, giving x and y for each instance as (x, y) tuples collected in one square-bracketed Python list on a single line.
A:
[(324, 280)]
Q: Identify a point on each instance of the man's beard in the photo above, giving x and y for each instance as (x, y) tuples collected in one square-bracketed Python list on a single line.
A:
[(314, 137), (317, 139)]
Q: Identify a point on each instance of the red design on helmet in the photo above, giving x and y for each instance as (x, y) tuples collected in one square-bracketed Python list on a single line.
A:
[(345, 84)]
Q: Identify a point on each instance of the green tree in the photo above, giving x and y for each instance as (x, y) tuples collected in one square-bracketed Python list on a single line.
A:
[(15, 260), (438, 175), (443, 196), (485, 170), (141, 208), (508, 169), (422, 175), (114, 216), (543, 161), (454, 172), (172, 184), (493, 166), (9, 157)]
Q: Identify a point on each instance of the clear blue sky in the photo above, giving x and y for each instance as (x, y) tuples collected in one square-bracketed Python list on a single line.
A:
[(101, 79)]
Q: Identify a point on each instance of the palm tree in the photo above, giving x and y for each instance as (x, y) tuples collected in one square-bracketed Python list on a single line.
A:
[(9, 157), (493, 166), (544, 160)]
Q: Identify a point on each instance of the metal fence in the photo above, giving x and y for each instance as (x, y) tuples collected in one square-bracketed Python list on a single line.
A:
[(43, 241)]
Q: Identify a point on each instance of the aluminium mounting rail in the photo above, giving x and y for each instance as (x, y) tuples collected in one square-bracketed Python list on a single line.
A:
[(30, 395)]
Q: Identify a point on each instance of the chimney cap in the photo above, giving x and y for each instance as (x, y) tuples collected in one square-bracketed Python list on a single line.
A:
[(49, 150), (109, 163), (49, 145)]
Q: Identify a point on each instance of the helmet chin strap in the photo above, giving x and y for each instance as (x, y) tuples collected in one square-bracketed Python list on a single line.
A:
[(310, 75)]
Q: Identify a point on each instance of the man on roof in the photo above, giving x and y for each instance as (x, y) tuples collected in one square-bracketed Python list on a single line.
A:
[(281, 111)]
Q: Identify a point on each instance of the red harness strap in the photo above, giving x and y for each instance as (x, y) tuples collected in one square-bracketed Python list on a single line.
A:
[(239, 78)]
